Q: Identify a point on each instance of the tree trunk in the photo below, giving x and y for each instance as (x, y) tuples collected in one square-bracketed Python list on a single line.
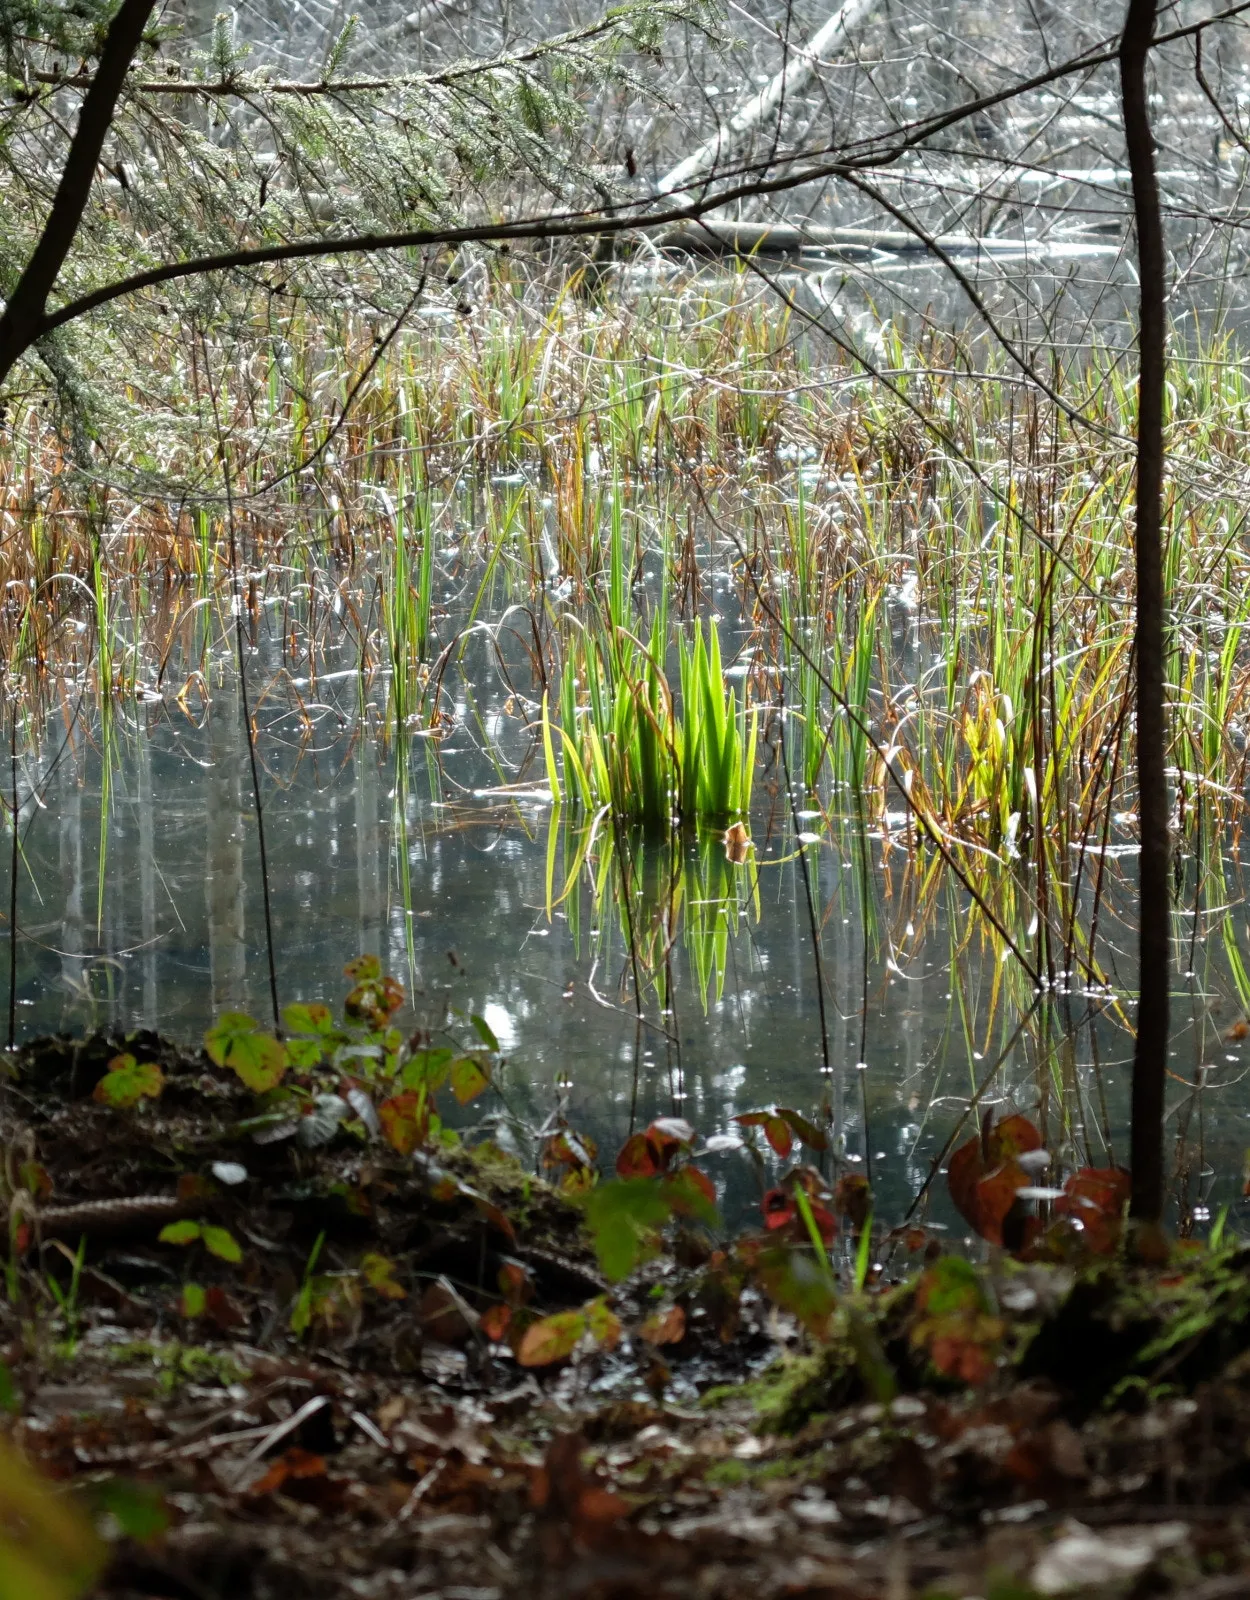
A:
[(1150, 1053)]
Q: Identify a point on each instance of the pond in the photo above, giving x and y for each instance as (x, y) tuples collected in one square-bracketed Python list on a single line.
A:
[(141, 902)]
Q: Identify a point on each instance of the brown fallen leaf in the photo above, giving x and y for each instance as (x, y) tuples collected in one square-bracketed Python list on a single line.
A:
[(666, 1326)]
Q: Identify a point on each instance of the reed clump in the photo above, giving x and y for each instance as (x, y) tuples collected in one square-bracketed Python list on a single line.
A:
[(930, 576)]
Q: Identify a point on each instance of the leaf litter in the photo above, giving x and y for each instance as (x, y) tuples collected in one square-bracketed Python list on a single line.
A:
[(391, 1362)]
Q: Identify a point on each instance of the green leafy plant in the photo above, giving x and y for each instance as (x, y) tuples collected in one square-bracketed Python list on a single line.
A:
[(302, 1310), (67, 1298), (219, 1242), (656, 1181), (553, 1338), (327, 1070), (954, 1324), (238, 1042), (624, 743), (128, 1081)]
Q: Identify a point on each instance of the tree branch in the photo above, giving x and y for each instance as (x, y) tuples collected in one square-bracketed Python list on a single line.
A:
[(23, 315)]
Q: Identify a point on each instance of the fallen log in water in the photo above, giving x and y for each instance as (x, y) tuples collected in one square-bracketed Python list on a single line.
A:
[(716, 236)]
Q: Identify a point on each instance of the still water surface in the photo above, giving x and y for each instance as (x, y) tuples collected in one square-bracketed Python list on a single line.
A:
[(157, 918)]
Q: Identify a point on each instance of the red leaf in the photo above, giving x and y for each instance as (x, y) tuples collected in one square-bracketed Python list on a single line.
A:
[(666, 1131), (778, 1135), (294, 1463), (490, 1212), (569, 1149), (637, 1158), (405, 1120), (778, 1208), (514, 1283), (1013, 1136), (1095, 1197), (983, 1174), (961, 1358), (494, 1323), (996, 1194), (563, 1488), (600, 1506), (664, 1327), (810, 1134), (223, 1310)]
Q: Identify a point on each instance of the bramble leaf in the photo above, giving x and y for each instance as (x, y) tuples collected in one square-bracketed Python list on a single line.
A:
[(378, 1272), (778, 1135), (364, 969), (1095, 1198), (807, 1131), (637, 1159), (128, 1081), (303, 1053), (623, 1216), (405, 1120), (184, 1232), (237, 1042), (468, 1079), (314, 1018), (551, 1338), (221, 1243), (691, 1193), (428, 1070), (983, 1175)]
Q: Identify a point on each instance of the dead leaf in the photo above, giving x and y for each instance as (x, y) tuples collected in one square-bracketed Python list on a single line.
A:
[(666, 1326)]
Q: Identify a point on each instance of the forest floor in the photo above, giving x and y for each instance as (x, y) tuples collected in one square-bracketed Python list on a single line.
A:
[(314, 1383)]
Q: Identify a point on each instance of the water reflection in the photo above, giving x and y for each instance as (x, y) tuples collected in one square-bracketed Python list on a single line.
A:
[(500, 909)]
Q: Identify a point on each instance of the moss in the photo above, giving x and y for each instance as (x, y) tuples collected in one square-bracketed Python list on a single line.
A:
[(1128, 1335), (782, 1468), (732, 1473), (785, 1396), (721, 1394), (177, 1363)]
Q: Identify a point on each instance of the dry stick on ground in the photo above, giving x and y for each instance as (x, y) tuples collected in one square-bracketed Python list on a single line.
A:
[(1150, 1050)]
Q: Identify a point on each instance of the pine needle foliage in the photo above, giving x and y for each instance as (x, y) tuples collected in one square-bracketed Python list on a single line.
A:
[(207, 155)]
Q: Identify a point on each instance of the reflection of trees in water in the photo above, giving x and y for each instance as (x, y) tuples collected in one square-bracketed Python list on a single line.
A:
[(368, 832), (69, 839), (223, 867), (147, 877)]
